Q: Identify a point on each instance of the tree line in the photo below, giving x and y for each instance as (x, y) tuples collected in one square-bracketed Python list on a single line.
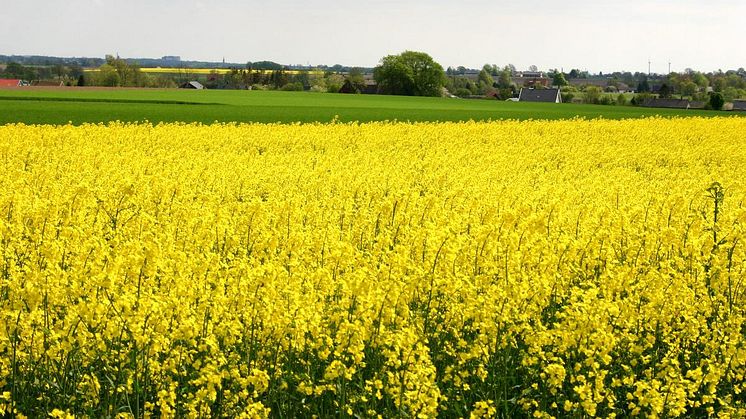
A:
[(409, 73)]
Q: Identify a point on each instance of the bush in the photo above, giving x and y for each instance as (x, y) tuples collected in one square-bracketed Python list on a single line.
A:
[(567, 97), (462, 92), (505, 93), (640, 98), (592, 94), (621, 100), (605, 100), (293, 87)]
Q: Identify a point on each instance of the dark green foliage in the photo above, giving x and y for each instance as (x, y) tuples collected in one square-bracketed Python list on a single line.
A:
[(410, 73), (643, 86), (716, 101), (665, 91)]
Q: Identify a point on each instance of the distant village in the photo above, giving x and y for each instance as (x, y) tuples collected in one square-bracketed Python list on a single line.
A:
[(685, 90)]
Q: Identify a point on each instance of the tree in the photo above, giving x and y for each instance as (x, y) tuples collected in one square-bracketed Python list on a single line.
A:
[(717, 101), (504, 80), (643, 86), (334, 82), (533, 68), (279, 78), (665, 91), (108, 76), (688, 88), (559, 79), (485, 77), (357, 78), (410, 73), (592, 94), (129, 74), (17, 71)]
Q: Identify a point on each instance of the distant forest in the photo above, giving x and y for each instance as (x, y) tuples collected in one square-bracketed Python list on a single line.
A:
[(86, 62)]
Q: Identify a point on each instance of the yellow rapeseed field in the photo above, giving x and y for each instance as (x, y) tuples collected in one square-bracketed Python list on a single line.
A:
[(569, 268)]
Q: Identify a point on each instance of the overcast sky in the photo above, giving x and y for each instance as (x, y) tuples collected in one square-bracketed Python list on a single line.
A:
[(594, 35)]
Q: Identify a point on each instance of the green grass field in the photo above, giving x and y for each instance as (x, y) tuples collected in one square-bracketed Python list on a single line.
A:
[(79, 105)]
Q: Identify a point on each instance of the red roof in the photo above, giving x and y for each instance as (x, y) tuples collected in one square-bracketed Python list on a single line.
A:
[(10, 82)]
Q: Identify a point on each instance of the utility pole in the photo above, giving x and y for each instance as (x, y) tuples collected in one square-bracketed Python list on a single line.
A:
[(669, 67), (648, 67)]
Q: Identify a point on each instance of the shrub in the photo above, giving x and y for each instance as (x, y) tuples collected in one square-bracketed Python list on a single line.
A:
[(462, 92), (293, 87), (592, 94)]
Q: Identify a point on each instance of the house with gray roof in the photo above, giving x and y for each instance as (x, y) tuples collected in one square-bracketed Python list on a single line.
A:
[(540, 95), (739, 105), (192, 85)]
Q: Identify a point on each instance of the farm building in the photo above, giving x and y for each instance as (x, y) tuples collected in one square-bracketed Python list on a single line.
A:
[(540, 95), (348, 87), (695, 104), (192, 85), (602, 83), (371, 87), (672, 104), (531, 74), (739, 105), (11, 83)]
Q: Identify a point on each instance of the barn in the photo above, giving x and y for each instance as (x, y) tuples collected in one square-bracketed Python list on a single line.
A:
[(348, 87), (672, 103), (540, 95), (192, 85)]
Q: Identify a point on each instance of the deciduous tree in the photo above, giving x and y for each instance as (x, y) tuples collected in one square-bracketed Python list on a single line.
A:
[(410, 73)]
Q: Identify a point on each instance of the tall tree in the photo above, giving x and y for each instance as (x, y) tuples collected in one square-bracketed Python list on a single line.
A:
[(559, 79), (665, 91), (717, 101), (643, 86), (504, 80), (485, 76), (410, 73)]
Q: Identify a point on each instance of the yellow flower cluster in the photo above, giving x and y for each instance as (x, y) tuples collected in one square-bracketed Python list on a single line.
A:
[(477, 269)]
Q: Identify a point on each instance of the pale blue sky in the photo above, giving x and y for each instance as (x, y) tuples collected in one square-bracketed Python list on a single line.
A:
[(600, 35)]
